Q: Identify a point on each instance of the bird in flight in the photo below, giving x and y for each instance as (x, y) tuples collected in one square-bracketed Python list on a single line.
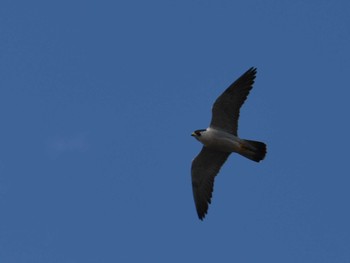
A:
[(221, 139)]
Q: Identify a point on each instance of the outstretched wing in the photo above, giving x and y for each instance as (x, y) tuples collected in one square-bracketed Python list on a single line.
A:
[(225, 111), (205, 167)]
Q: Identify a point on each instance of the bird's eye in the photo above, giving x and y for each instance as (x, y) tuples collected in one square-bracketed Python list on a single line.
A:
[(198, 133)]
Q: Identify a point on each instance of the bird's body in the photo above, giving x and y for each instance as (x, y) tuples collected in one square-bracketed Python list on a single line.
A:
[(221, 139)]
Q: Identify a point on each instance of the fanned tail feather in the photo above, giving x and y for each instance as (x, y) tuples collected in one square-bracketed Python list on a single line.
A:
[(253, 150)]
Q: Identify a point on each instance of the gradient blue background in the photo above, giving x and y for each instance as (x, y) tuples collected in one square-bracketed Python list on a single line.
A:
[(97, 103)]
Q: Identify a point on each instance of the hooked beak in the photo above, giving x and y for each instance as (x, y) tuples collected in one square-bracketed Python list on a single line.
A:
[(193, 134)]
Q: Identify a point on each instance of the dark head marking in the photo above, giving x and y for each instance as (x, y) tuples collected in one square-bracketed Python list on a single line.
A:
[(198, 132)]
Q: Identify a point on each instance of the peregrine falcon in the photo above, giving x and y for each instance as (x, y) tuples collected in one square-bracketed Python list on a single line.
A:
[(221, 139)]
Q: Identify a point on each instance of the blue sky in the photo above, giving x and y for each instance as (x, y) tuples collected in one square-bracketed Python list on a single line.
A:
[(97, 103)]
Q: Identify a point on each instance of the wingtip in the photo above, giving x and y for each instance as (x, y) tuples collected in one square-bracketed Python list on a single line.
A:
[(201, 216), (253, 70), (202, 207), (202, 210)]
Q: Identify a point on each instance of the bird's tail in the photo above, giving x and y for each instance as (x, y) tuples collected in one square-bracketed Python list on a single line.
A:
[(253, 150)]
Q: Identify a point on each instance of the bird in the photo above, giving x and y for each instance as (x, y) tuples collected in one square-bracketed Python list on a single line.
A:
[(221, 139)]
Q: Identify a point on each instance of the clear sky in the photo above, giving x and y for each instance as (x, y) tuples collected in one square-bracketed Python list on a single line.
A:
[(97, 103)]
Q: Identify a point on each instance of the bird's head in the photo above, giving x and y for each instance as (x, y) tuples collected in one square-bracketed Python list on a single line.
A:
[(198, 133)]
